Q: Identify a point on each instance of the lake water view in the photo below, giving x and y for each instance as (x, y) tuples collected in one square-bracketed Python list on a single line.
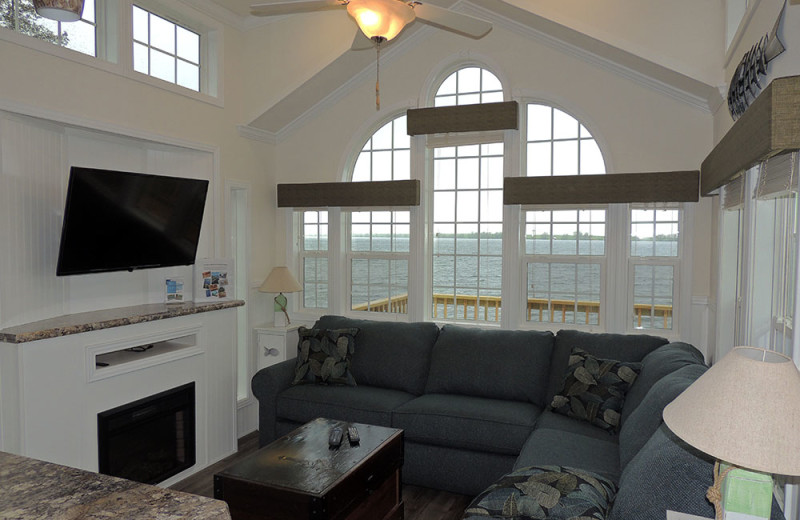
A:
[(457, 269)]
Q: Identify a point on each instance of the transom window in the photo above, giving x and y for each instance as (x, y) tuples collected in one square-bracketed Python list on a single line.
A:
[(469, 86), (20, 16), (165, 50)]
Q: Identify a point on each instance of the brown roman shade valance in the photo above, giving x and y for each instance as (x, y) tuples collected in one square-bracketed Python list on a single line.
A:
[(769, 127), (464, 118), (681, 186), (349, 194)]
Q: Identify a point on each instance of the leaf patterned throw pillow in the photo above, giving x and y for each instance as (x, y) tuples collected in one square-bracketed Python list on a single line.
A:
[(552, 492), (323, 356), (594, 389)]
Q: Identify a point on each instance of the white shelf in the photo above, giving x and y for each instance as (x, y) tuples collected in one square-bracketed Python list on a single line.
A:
[(140, 352)]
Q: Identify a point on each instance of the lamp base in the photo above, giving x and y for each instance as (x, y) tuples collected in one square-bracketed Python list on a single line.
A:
[(281, 316), (745, 495)]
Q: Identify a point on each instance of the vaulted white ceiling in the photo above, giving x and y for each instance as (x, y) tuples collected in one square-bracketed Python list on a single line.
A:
[(675, 47)]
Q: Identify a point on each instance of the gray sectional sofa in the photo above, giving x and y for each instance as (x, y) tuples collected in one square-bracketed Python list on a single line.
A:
[(474, 406)]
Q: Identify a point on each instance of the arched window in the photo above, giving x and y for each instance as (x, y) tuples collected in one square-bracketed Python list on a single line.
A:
[(565, 248), (467, 241), (469, 86), (378, 241)]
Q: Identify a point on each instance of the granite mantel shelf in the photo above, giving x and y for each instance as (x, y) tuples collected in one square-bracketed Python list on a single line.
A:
[(32, 489), (106, 319)]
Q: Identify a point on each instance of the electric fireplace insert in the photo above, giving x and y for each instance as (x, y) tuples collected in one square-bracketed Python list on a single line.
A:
[(151, 439)]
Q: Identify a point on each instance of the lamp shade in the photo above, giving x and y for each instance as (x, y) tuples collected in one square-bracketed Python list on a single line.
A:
[(745, 410), (381, 18), (280, 280), (61, 10)]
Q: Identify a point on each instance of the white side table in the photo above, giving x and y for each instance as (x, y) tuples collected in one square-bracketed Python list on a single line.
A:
[(275, 344)]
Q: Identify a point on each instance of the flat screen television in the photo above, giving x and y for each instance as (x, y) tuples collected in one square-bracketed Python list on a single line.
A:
[(121, 221)]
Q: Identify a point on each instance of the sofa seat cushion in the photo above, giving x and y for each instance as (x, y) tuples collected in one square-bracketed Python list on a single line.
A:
[(368, 405), (552, 492), (555, 421), (472, 423), (388, 354), (547, 447), (496, 364)]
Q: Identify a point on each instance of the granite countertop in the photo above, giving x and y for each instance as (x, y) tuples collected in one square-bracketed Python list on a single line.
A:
[(105, 319), (34, 489)]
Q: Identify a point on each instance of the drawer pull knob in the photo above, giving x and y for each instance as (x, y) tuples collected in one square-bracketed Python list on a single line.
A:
[(271, 351)]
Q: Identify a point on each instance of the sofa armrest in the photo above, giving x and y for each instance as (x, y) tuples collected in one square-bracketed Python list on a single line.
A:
[(267, 383)]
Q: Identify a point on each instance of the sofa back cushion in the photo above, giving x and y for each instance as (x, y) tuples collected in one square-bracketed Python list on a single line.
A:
[(388, 354), (655, 365), (496, 364), (620, 347), (647, 417)]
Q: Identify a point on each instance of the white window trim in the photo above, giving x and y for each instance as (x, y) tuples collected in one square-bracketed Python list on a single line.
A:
[(115, 55)]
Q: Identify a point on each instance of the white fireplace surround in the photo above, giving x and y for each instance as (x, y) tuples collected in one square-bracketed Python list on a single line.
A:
[(52, 389)]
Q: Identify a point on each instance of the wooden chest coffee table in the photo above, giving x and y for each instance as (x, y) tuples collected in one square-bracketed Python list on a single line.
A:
[(299, 477)]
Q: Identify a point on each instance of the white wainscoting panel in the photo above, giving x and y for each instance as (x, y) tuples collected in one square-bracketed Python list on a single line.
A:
[(35, 159), (31, 202)]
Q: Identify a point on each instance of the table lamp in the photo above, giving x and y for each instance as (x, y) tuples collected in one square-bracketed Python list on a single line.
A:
[(745, 412), (280, 280)]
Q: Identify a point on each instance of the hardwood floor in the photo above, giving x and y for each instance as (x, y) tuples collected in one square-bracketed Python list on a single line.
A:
[(420, 503)]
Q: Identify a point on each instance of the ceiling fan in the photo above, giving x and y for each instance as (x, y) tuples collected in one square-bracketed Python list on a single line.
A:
[(382, 20)]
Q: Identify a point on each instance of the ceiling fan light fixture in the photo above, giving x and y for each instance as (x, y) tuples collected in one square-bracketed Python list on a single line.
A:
[(381, 18)]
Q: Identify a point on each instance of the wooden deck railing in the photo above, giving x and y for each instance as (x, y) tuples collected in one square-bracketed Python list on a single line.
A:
[(490, 306)]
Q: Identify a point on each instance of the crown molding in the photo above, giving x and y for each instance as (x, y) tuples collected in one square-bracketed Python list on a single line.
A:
[(257, 134)]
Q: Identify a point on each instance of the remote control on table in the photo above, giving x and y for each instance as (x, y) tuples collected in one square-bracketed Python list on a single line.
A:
[(335, 439), (352, 434)]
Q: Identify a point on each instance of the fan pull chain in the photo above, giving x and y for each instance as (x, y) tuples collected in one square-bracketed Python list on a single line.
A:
[(378, 77)]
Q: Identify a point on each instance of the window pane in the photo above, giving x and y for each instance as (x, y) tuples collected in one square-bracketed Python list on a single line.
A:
[(564, 293), (591, 158), (539, 123), (564, 125), (81, 37), (162, 66), (469, 79), (88, 11), (188, 45), (539, 159), (565, 158), (401, 137), (162, 34), (141, 25), (188, 75), (490, 81), (653, 296), (141, 58)]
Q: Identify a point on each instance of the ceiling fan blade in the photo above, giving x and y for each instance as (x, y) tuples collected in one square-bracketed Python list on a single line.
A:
[(452, 21), (361, 42), (300, 6)]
